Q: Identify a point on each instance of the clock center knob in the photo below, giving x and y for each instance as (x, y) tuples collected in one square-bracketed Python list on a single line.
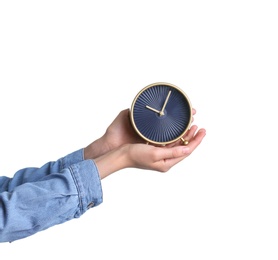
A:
[(162, 115)]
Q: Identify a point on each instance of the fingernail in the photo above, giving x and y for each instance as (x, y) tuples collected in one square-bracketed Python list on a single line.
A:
[(185, 149)]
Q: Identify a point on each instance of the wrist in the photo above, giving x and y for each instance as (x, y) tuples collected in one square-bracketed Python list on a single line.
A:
[(96, 149), (112, 161)]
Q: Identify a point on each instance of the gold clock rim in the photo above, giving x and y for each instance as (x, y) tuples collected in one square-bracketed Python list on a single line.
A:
[(132, 109)]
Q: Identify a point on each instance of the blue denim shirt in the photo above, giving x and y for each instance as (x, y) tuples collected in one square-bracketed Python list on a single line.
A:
[(35, 199)]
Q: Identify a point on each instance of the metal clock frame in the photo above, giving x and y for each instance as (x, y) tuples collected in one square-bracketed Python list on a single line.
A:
[(185, 130)]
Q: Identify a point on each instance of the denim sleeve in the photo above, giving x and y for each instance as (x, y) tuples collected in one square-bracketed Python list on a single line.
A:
[(38, 198)]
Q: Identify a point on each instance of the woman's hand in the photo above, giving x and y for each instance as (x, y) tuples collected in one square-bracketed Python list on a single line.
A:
[(149, 157)]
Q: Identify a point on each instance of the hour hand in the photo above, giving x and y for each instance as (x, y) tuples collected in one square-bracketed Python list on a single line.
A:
[(153, 109)]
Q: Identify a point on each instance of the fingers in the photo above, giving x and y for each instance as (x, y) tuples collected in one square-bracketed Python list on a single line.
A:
[(193, 111), (196, 140), (190, 133), (188, 136), (178, 153), (173, 152)]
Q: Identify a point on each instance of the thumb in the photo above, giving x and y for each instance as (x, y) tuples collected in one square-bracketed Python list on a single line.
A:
[(176, 152), (171, 156)]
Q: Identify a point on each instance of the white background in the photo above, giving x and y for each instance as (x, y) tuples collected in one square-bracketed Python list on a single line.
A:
[(68, 67)]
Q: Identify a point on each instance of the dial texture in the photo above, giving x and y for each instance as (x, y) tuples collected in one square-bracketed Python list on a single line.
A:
[(161, 113)]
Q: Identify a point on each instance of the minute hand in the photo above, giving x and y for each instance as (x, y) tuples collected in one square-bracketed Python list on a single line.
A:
[(161, 113)]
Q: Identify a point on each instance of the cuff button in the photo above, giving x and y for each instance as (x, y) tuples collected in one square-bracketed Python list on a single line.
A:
[(90, 205)]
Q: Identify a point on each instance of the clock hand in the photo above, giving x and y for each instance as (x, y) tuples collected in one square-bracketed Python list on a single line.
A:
[(153, 109), (161, 113)]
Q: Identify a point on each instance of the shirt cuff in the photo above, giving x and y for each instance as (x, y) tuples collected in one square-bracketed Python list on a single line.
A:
[(72, 158), (86, 177)]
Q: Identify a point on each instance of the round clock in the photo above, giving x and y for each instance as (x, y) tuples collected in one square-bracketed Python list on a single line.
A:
[(161, 113)]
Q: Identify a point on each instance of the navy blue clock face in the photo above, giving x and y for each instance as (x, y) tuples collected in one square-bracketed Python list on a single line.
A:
[(161, 113)]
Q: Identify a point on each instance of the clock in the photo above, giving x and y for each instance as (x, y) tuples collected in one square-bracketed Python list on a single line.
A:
[(161, 113)]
